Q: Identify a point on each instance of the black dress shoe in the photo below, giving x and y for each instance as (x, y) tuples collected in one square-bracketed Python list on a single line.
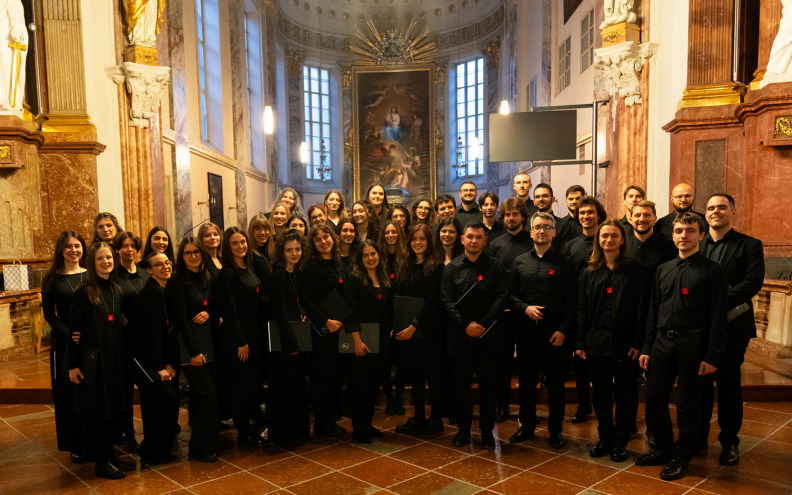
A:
[(487, 440), (653, 458), (110, 471), (501, 413), (618, 454), (557, 441), (462, 438), (409, 427), (251, 441), (675, 469), (373, 432), (430, 427), (522, 434), (580, 417), (80, 457), (126, 466), (203, 457), (729, 456), (600, 450), (329, 430)]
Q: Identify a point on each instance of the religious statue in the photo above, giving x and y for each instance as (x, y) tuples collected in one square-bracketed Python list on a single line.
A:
[(144, 20), (781, 54), (13, 52), (618, 11)]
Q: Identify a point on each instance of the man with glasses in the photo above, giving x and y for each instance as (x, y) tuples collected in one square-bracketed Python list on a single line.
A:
[(682, 198), (542, 291), (468, 211), (543, 200)]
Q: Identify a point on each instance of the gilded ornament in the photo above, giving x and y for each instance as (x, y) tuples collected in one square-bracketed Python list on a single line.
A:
[(5, 151), (783, 127), (294, 62), (143, 21), (395, 46), (492, 52)]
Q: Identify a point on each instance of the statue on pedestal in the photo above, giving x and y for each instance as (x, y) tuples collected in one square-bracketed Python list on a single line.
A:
[(13, 52), (144, 20), (781, 54), (618, 11)]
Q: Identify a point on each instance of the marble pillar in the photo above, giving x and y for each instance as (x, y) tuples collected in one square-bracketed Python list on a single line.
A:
[(239, 109), (769, 19)]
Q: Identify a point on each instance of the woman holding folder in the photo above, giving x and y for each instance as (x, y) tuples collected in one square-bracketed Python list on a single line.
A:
[(289, 418), (193, 309), (320, 293), (371, 298), (421, 331), (156, 357)]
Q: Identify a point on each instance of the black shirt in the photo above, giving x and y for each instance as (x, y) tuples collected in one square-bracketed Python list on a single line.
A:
[(465, 216), (690, 294), (578, 250), (497, 230), (507, 247), (652, 253), (320, 277), (548, 281), (188, 296), (417, 284), (56, 303), (154, 344), (285, 297), (665, 226), (240, 294), (370, 305), (460, 275)]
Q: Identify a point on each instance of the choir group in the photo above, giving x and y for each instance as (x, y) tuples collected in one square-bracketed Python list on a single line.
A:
[(316, 312)]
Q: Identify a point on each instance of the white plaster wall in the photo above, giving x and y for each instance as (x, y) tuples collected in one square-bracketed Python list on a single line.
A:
[(102, 102), (667, 80)]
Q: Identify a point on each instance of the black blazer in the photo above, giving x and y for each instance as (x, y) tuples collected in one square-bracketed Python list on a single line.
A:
[(743, 262)]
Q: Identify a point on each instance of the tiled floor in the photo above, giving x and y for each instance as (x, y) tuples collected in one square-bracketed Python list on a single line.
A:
[(399, 464)]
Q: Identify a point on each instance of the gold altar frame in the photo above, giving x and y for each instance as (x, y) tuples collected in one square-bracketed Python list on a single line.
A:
[(423, 73)]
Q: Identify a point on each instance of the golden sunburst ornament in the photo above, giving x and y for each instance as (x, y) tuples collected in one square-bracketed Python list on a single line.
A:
[(393, 46)]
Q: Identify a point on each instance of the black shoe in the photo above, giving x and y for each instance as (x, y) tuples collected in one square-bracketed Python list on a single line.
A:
[(522, 434), (501, 413), (487, 440), (110, 471), (375, 433), (600, 450), (729, 456), (330, 430), (580, 416), (359, 437), (125, 466), (80, 457), (409, 427), (557, 441), (653, 458), (251, 441), (430, 427), (618, 454), (675, 469), (462, 438), (203, 456)]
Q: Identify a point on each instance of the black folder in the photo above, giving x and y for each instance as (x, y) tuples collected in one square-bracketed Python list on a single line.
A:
[(335, 306), (302, 332), (474, 303), (369, 333), (404, 310), (151, 374)]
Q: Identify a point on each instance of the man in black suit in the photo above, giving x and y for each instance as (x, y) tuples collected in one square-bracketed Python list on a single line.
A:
[(468, 211), (742, 258), (522, 188), (573, 196), (632, 196), (682, 198), (543, 200)]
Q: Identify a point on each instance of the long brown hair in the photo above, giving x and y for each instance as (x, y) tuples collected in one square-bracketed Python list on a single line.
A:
[(181, 266), (105, 214), (429, 257), (401, 246), (259, 221), (360, 271), (312, 252), (57, 260), (228, 256), (202, 232), (597, 258), (92, 282)]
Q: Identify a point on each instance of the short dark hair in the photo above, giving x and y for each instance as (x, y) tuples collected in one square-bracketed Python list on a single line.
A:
[(690, 218), (723, 195), (647, 204), (637, 188), (592, 201), (443, 198), (543, 185), (118, 240), (575, 188), (475, 225), (469, 182), (492, 196)]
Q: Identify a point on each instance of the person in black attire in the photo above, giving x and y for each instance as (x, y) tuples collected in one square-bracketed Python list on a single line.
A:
[(543, 201), (211, 238), (366, 222), (156, 356), (590, 213), (371, 297), (573, 195), (347, 242), (289, 419), (94, 358), (378, 201), (447, 235), (505, 248), (262, 268), (522, 190), (239, 355), (58, 288), (422, 359), (444, 207), (322, 275), (106, 227), (488, 202), (260, 231), (473, 341), (400, 216), (644, 245), (632, 196), (158, 241), (131, 278), (192, 306), (542, 288), (685, 340), (468, 211), (682, 199), (742, 257), (611, 318)]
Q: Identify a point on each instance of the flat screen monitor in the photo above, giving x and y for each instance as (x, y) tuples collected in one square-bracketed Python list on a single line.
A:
[(533, 136)]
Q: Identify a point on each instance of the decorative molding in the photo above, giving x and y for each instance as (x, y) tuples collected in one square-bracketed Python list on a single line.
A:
[(441, 72), (783, 126), (439, 142), (394, 46), (294, 63), (619, 33), (710, 95), (349, 154), (492, 53), (144, 83), (346, 74), (620, 65)]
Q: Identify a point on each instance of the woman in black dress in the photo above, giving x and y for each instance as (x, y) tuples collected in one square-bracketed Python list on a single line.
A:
[(317, 215), (347, 242), (156, 358), (422, 212), (192, 302), (239, 355), (378, 200), (94, 357), (447, 240), (322, 275), (211, 236), (106, 227), (297, 223), (370, 296), (400, 216), (260, 232), (289, 418), (158, 241), (334, 204), (131, 278), (365, 221), (64, 277), (612, 305), (421, 359)]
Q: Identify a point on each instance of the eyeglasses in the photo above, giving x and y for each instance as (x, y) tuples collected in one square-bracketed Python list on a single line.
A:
[(192, 254), (160, 266), (539, 228)]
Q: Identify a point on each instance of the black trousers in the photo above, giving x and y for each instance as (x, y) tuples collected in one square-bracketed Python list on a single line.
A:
[(433, 355), (582, 382), (98, 435), (479, 356), (288, 408), (615, 381), (390, 359), (365, 385), (67, 424), (675, 359), (325, 369), (534, 354), (508, 326), (159, 409), (412, 367), (202, 381), (730, 403)]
